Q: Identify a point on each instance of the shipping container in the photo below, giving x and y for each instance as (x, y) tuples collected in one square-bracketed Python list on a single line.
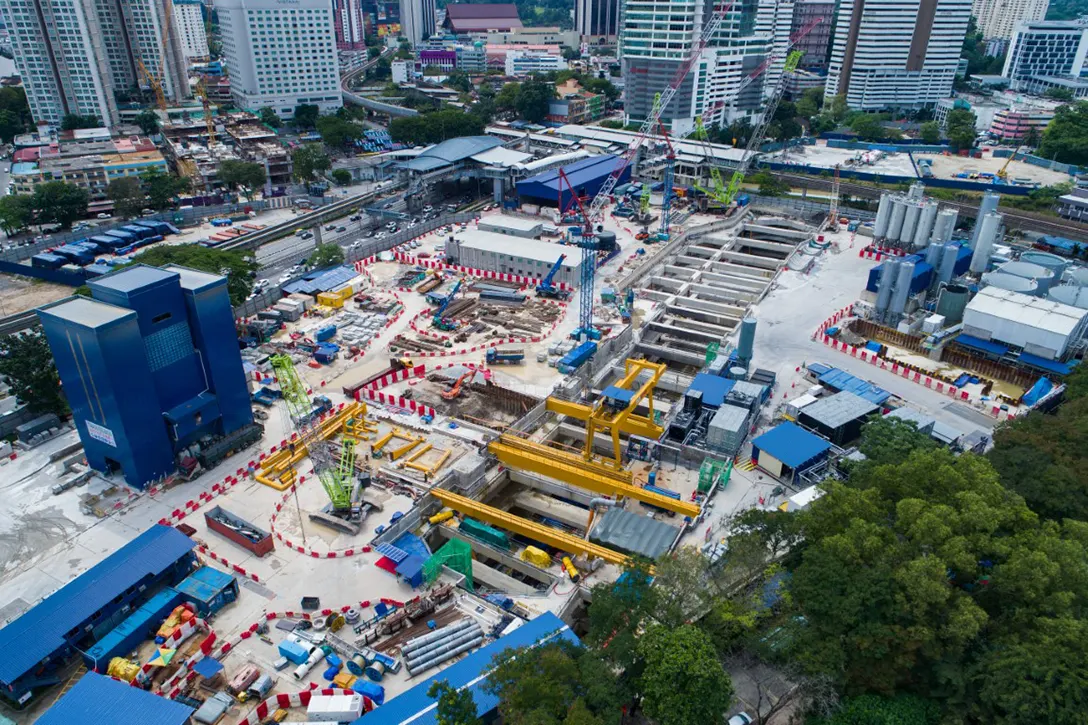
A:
[(221, 521), (325, 333), (124, 236), (46, 260), (39, 425), (139, 626), (485, 533), (139, 231), (107, 241), (208, 590), (335, 708), (577, 357)]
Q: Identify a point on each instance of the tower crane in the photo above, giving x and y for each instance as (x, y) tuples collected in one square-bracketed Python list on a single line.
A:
[(155, 80), (202, 91), (345, 510), (666, 198)]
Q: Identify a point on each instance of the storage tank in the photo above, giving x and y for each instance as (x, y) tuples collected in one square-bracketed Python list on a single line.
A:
[(944, 226), (948, 262), (924, 230), (910, 222), (902, 288), (883, 215), (1042, 276), (1070, 294), (1075, 275), (952, 302), (747, 338), (988, 229), (1010, 282), (1048, 260), (888, 272), (933, 255), (917, 191), (987, 205), (895, 224)]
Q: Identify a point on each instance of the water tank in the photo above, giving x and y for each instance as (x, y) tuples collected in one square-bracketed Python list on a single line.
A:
[(952, 302), (944, 226), (1069, 294), (883, 215), (988, 230), (1048, 260), (1042, 276), (902, 288), (910, 222), (948, 263), (606, 240), (895, 224), (737, 373), (747, 338), (888, 271), (987, 205), (1010, 282), (924, 230), (1074, 275)]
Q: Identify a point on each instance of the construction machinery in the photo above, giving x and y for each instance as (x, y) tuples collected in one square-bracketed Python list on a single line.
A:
[(833, 212), (209, 122), (345, 510), (455, 390), (589, 242), (1003, 172), (666, 192), (440, 322), (547, 288)]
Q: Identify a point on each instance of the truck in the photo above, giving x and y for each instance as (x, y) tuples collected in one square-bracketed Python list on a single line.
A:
[(505, 355), (577, 357)]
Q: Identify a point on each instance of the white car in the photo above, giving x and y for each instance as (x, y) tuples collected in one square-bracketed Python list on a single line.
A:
[(380, 235), (741, 718), (285, 278), (104, 215), (353, 245)]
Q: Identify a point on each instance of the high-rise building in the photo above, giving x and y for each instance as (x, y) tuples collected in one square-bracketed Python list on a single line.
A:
[(190, 24), (656, 39), (74, 55), (417, 20), (280, 56), (149, 366), (350, 24), (597, 18), (1046, 49), (896, 53), (816, 45), (999, 18)]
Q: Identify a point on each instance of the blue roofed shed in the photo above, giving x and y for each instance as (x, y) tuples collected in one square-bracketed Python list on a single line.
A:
[(985, 346), (842, 381), (323, 280), (100, 700), (713, 388), (415, 707), (586, 177), (209, 590), (787, 449)]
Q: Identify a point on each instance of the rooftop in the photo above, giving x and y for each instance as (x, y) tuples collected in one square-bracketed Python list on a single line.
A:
[(792, 444), (451, 151), (839, 409), (131, 279), (41, 631), (624, 138), (580, 172), (1037, 312), (86, 312), (468, 17), (195, 279), (512, 222), (518, 247), (100, 700)]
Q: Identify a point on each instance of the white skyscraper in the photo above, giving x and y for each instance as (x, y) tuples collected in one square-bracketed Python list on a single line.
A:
[(417, 19), (657, 38), (73, 55), (896, 53), (998, 18), (280, 55), (190, 24), (1044, 52)]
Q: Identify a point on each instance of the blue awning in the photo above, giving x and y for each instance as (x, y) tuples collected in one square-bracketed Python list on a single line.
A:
[(1051, 366), (987, 346)]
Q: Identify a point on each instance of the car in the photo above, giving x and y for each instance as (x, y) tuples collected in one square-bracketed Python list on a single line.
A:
[(370, 234), (104, 215), (356, 218), (341, 230), (300, 233), (306, 235), (428, 209), (353, 245), (262, 283), (284, 278), (415, 244), (330, 227), (391, 225), (380, 235), (741, 718)]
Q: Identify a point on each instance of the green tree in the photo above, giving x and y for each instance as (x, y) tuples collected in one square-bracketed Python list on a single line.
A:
[(435, 127), (876, 710), (533, 98), (127, 195), (244, 175), (455, 707), (458, 80), (930, 132), (341, 176), (15, 116), (507, 97), (326, 255), (684, 681), (164, 189), (1059, 93), (960, 128), (74, 121), (306, 115), (812, 100), (16, 212), (1066, 136), (238, 266), (27, 363), (148, 121), (309, 162), (338, 132), (890, 440), (56, 202), (769, 185), (837, 109), (868, 127), (404, 50), (373, 52), (269, 117)]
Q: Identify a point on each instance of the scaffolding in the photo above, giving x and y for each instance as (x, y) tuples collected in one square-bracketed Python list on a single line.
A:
[(456, 555)]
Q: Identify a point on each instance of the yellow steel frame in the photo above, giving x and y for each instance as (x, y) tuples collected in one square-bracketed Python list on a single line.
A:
[(278, 469), (423, 468), (524, 527), (398, 452), (524, 455)]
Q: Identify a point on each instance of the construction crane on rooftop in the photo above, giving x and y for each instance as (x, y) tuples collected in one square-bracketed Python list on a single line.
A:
[(154, 80)]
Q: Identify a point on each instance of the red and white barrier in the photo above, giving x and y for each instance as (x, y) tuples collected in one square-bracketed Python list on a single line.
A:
[(473, 272), (880, 253)]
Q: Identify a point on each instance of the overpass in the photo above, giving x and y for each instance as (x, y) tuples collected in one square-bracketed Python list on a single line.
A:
[(378, 106)]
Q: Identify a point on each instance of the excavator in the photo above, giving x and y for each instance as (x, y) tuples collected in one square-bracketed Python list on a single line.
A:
[(455, 390)]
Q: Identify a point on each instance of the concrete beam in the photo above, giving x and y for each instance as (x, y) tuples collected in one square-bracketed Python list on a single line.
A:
[(718, 294), (741, 270), (703, 307), (777, 248), (666, 283), (551, 508), (671, 270), (751, 260), (665, 353), (700, 336), (728, 280), (762, 230), (550, 487)]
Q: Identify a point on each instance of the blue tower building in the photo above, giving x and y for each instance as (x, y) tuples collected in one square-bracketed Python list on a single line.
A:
[(150, 366)]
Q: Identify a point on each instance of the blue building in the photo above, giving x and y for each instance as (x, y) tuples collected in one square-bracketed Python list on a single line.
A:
[(100, 700), (150, 366), (586, 177), (88, 608)]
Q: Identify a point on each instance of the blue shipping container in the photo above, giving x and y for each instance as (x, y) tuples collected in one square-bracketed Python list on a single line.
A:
[(127, 636), (106, 241), (139, 231), (123, 236), (209, 590), (48, 261), (325, 333)]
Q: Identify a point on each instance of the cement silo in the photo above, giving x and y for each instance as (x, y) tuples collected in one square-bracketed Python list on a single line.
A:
[(924, 229), (888, 271), (1010, 282), (933, 255), (948, 263), (1045, 259), (910, 221), (944, 226), (988, 204), (895, 223), (952, 302), (1069, 294), (917, 191), (1043, 277), (883, 216), (988, 230), (1075, 275), (746, 343), (902, 288)]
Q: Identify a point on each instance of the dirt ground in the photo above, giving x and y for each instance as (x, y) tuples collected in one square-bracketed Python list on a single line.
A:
[(19, 295), (945, 167)]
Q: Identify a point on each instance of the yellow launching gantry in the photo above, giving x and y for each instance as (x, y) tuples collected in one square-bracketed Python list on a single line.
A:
[(278, 469)]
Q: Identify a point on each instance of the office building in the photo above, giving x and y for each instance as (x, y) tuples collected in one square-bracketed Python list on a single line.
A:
[(597, 18), (75, 55), (349, 23), (657, 39), (1044, 52), (897, 54), (575, 105), (417, 20), (280, 56), (150, 366), (189, 21), (1000, 18), (816, 45), (524, 63)]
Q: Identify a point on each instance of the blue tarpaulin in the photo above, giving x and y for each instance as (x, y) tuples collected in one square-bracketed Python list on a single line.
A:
[(987, 346), (842, 381), (1038, 391), (1051, 366), (713, 388)]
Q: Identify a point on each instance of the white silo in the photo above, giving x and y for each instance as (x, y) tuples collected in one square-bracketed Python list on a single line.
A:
[(895, 224), (888, 271), (883, 215), (917, 191), (948, 263), (910, 222), (944, 226), (988, 204), (933, 256), (925, 225), (988, 230), (902, 288)]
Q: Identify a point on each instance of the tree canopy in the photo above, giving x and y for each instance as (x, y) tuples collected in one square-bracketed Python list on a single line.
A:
[(148, 121), (27, 363), (127, 195), (269, 117), (309, 162), (15, 116), (164, 189), (338, 132), (533, 98), (960, 128), (245, 175), (434, 127), (306, 115), (455, 707), (326, 255), (1066, 136), (56, 202), (239, 267), (74, 122)]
